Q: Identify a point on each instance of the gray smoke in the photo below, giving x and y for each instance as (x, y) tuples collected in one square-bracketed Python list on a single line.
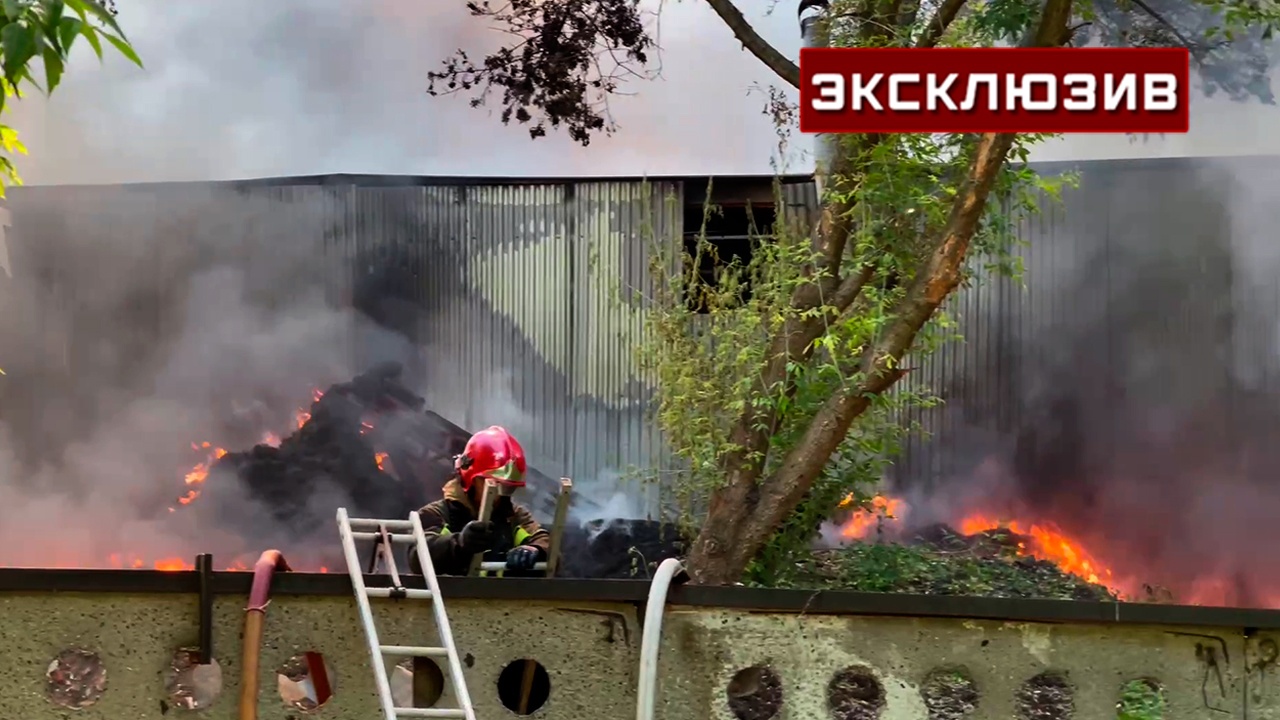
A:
[(127, 340), (1135, 398)]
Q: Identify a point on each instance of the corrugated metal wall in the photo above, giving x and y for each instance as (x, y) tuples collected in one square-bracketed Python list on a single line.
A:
[(1123, 319), (526, 300)]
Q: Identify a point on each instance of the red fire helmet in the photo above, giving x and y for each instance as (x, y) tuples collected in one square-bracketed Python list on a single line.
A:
[(492, 453)]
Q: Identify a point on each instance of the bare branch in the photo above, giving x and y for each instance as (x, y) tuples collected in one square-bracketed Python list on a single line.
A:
[(752, 41)]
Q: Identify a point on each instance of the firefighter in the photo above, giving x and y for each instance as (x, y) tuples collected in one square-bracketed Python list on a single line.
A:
[(454, 535)]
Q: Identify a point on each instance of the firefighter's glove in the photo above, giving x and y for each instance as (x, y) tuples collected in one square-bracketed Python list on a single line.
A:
[(523, 557), (476, 536)]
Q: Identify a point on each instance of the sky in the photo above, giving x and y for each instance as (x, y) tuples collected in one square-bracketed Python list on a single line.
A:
[(243, 88)]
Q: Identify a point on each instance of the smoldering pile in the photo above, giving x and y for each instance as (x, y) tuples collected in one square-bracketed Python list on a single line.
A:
[(619, 549), (937, 559), (371, 446), (367, 444)]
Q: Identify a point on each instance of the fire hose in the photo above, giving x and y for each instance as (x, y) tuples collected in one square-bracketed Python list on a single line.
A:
[(651, 638), (254, 619)]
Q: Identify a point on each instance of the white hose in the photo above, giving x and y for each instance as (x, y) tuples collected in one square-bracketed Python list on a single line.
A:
[(651, 637)]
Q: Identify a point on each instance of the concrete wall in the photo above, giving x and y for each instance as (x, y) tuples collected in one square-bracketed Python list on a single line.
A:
[(889, 668)]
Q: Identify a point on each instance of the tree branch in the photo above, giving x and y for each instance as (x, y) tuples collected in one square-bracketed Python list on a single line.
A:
[(939, 23), (752, 41), (880, 364)]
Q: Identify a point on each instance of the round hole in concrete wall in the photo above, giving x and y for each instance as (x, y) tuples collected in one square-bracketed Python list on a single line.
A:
[(417, 683), (305, 682), (76, 679), (1141, 699), (524, 686), (949, 694), (855, 693), (190, 684), (755, 693), (1047, 696)]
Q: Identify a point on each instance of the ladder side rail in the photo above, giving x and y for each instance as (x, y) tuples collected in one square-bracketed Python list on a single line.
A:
[(366, 617), (442, 619)]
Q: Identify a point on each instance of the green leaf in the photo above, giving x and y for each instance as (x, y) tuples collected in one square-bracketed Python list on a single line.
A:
[(19, 43), (52, 19), (124, 48), (10, 142), (68, 29), (95, 8), (13, 9), (52, 69), (80, 9), (92, 36)]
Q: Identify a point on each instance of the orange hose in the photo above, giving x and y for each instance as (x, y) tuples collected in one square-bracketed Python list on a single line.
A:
[(254, 620)]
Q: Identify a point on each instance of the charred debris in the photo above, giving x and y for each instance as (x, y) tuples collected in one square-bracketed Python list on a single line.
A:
[(371, 445)]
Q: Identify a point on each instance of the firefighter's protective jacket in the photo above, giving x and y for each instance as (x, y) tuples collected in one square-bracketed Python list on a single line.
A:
[(442, 519)]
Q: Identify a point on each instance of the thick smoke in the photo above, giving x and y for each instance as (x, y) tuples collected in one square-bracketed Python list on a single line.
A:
[(1138, 373), (157, 336)]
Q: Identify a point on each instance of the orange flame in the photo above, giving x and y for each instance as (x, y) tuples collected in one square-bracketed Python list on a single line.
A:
[(1047, 542), (866, 518), (198, 474), (301, 417), (380, 458)]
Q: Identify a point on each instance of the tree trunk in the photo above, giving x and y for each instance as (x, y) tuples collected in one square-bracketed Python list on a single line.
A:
[(747, 510)]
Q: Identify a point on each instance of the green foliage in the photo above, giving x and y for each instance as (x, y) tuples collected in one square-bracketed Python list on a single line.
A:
[(1141, 700), (706, 363), (46, 30), (923, 570)]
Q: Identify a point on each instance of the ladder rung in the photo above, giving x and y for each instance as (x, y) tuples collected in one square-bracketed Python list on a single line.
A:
[(410, 593), (373, 523), (398, 539), (431, 712), (497, 566), (414, 651)]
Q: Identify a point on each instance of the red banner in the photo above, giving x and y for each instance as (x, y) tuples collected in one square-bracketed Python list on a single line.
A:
[(970, 90)]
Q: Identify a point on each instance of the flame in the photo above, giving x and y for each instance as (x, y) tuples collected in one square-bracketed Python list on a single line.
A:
[(198, 474), (194, 479), (380, 458), (1046, 542), (301, 417), (869, 515)]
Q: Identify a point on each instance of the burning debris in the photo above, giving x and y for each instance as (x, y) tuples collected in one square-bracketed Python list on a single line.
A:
[(370, 446), (981, 556), (366, 444)]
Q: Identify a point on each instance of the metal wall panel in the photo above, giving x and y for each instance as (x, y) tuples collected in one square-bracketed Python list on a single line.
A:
[(619, 228), (528, 306), (1122, 317)]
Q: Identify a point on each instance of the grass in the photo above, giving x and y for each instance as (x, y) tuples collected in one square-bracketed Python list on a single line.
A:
[(920, 569), (1141, 700)]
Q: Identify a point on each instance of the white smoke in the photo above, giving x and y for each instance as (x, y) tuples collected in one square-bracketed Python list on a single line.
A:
[(241, 88)]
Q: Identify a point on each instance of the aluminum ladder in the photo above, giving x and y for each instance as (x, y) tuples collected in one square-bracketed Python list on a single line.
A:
[(382, 532)]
